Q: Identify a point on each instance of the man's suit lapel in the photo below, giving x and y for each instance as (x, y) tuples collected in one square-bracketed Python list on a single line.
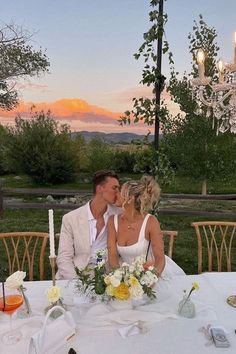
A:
[(84, 228)]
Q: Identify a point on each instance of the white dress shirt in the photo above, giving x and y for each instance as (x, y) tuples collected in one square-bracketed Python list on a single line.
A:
[(97, 242)]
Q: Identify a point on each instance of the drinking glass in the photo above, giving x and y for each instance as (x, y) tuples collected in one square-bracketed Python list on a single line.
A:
[(8, 305)]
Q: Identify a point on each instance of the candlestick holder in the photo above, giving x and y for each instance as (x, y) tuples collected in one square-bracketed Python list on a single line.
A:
[(58, 302)]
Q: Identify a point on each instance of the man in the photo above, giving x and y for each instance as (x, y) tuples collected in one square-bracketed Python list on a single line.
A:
[(84, 230)]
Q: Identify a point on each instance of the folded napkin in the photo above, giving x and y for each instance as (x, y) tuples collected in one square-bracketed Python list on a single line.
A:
[(101, 315), (136, 328)]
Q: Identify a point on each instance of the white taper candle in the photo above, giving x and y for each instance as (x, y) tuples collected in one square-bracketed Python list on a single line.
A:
[(51, 233)]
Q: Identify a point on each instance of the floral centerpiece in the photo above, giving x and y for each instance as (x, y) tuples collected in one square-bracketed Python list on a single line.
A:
[(131, 281), (128, 282)]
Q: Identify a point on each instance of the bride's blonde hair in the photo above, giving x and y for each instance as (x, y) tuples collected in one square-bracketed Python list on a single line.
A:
[(146, 193)]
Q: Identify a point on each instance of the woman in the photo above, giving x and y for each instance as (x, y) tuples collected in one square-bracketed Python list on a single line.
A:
[(135, 232)]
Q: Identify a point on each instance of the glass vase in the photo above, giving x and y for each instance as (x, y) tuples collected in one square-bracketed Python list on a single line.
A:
[(186, 308), (99, 285), (25, 310)]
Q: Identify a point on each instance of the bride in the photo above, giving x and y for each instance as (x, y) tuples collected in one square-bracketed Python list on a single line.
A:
[(135, 232)]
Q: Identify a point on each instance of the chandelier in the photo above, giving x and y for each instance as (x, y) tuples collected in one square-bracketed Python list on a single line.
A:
[(219, 97)]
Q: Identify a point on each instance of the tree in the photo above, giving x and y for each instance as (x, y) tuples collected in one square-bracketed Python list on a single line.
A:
[(42, 149), (190, 141), (3, 142), (146, 109), (152, 110), (18, 60), (99, 154)]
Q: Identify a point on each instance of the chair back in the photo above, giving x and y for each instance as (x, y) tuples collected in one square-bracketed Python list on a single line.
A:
[(169, 237), (215, 245), (25, 251)]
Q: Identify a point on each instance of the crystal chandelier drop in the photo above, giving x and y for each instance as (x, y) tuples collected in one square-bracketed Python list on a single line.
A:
[(220, 98)]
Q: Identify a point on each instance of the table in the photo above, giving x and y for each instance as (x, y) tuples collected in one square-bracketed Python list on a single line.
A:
[(171, 335)]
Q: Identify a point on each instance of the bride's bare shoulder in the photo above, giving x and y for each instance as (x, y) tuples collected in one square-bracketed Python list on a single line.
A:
[(153, 222)]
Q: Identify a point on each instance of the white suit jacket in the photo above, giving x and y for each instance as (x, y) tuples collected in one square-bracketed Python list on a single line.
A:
[(74, 246)]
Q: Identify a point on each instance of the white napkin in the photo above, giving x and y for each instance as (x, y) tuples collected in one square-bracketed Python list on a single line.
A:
[(136, 328), (100, 315)]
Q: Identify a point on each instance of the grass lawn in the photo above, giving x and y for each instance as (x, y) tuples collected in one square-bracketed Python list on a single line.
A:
[(181, 184), (185, 247)]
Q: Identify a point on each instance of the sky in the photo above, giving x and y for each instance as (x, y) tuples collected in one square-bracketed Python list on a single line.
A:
[(90, 45)]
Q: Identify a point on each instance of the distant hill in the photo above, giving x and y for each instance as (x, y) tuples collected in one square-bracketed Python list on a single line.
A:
[(112, 137)]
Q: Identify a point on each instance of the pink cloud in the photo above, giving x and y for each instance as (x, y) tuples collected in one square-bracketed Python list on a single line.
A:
[(79, 114)]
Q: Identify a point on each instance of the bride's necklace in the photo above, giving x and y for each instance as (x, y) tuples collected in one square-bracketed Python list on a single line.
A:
[(131, 224)]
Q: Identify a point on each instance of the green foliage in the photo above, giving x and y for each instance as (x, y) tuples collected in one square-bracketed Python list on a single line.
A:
[(17, 60), (205, 156), (99, 155), (155, 163), (123, 161), (146, 109), (3, 143), (80, 151), (190, 140), (204, 37), (42, 149)]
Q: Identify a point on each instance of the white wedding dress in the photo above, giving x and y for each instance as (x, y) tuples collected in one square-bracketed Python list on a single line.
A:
[(128, 253)]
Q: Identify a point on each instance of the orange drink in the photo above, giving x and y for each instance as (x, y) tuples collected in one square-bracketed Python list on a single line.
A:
[(12, 302)]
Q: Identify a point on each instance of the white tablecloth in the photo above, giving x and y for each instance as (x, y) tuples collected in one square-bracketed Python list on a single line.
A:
[(165, 332)]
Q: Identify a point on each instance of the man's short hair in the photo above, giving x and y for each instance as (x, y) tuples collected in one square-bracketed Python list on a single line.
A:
[(100, 177)]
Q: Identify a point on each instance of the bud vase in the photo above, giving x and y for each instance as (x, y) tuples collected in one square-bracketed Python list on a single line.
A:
[(25, 310), (186, 308)]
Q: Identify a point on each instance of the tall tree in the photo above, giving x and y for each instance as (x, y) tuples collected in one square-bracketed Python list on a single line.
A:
[(190, 139), (18, 60), (148, 109)]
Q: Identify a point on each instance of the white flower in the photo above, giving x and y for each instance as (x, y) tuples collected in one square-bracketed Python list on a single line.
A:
[(115, 281), (148, 279), (136, 291), (15, 280), (118, 274), (53, 294), (131, 268)]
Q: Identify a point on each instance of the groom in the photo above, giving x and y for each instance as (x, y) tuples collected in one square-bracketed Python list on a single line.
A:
[(84, 230)]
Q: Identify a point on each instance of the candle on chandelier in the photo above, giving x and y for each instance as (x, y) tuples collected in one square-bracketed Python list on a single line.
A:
[(200, 61), (221, 67), (51, 233)]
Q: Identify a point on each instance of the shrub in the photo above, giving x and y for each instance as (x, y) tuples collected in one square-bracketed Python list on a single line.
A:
[(42, 149)]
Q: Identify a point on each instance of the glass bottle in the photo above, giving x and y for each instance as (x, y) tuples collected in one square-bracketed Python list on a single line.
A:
[(186, 307)]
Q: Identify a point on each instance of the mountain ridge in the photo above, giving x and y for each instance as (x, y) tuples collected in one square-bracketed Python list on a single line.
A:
[(125, 137)]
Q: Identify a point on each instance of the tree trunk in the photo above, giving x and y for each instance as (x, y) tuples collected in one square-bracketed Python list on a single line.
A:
[(204, 187)]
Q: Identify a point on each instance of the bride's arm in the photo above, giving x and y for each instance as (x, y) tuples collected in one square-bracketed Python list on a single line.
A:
[(113, 257), (157, 243)]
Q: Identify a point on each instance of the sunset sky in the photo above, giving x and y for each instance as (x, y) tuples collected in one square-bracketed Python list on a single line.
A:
[(90, 44)]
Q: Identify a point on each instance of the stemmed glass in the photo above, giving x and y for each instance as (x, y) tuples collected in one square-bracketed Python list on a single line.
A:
[(10, 301)]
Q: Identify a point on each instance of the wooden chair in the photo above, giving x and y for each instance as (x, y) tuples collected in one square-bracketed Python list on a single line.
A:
[(215, 243), (25, 251), (169, 237)]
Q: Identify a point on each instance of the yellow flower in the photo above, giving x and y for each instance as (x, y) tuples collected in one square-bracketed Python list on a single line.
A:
[(133, 281), (53, 294), (107, 280), (121, 292), (195, 286), (110, 290)]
